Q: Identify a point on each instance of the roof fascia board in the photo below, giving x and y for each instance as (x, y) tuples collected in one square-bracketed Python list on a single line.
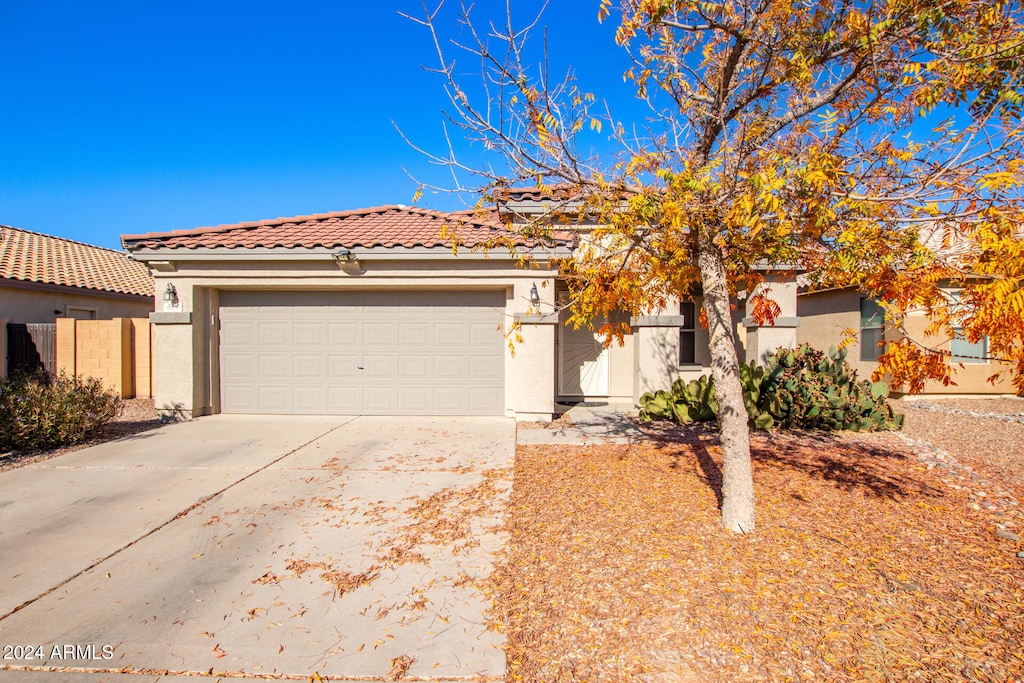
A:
[(268, 254), (67, 289), (804, 291), (764, 266), (542, 206), (550, 206)]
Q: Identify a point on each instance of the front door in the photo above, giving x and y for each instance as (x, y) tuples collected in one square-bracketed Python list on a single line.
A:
[(583, 363)]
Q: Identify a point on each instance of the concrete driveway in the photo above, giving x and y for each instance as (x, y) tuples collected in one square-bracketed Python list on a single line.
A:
[(270, 547)]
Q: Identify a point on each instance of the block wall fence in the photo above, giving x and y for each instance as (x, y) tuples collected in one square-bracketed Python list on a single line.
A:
[(118, 352)]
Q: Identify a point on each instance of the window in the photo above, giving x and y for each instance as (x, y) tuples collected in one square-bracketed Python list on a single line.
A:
[(687, 334), (961, 350), (872, 330), (964, 351)]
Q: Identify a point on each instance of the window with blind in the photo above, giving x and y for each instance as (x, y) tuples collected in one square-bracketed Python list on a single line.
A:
[(872, 330), (962, 350), (965, 352)]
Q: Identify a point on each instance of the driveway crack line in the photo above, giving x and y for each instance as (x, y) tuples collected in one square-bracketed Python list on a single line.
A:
[(179, 515)]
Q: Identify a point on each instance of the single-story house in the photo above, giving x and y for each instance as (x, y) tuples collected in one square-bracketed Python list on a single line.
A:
[(45, 278), (400, 310), (373, 312)]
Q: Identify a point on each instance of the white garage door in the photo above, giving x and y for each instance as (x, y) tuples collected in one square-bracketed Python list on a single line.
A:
[(362, 353)]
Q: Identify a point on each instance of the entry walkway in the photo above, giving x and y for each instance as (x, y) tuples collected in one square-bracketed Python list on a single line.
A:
[(591, 424)]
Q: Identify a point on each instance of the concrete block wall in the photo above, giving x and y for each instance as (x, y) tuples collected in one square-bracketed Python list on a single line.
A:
[(118, 352), (142, 354)]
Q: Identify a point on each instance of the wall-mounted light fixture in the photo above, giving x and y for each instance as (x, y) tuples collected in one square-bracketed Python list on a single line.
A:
[(171, 295), (344, 256), (534, 295)]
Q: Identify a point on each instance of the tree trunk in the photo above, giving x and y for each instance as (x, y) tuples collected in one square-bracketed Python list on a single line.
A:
[(737, 476)]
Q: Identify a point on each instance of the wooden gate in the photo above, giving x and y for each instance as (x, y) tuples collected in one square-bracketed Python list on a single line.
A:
[(31, 347)]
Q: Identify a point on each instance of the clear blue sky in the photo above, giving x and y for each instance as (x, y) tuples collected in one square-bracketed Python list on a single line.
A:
[(126, 117)]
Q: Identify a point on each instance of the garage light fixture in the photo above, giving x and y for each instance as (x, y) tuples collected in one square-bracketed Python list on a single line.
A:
[(171, 295), (344, 256), (534, 295)]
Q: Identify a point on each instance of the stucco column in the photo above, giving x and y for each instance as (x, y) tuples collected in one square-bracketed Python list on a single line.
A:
[(172, 364), (762, 340), (531, 371), (174, 352), (533, 368)]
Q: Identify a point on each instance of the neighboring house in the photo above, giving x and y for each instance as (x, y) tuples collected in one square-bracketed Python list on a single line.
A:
[(45, 278), (372, 312), (827, 316)]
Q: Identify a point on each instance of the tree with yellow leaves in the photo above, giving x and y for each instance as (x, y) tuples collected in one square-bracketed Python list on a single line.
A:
[(875, 144)]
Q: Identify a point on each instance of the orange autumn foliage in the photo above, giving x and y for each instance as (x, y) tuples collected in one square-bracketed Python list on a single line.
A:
[(870, 144)]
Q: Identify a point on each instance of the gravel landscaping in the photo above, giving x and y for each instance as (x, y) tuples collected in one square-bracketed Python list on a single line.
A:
[(877, 557), (987, 434)]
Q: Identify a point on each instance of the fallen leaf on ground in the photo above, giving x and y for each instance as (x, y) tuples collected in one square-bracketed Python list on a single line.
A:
[(864, 566), (399, 667)]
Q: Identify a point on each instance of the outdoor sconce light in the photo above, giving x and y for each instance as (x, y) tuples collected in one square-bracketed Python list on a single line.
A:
[(171, 295), (534, 295), (344, 256)]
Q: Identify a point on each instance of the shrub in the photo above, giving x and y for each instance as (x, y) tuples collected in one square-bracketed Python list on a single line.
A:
[(800, 388), (41, 411)]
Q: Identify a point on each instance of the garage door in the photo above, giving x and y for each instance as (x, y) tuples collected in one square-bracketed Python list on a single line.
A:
[(362, 353)]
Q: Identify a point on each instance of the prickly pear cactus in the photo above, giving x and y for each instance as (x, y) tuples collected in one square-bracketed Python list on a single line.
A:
[(806, 388)]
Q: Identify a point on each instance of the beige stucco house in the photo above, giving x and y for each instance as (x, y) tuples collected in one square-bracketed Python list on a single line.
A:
[(373, 312)]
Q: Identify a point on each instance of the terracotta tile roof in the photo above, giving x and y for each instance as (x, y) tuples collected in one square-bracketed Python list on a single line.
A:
[(381, 226), (556, 193), (34, 257)]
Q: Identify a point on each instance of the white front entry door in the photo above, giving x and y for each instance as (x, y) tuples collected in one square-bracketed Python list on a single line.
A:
[(583, 363)]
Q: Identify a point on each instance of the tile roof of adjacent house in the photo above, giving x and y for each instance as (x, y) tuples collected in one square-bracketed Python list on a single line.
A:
[(34, 257), (380, 226), (532, 193)]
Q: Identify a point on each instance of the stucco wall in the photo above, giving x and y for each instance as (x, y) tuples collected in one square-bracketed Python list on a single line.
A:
[(656, 350), (760, 341), (970, 378), (825, 318), (30, 303)]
